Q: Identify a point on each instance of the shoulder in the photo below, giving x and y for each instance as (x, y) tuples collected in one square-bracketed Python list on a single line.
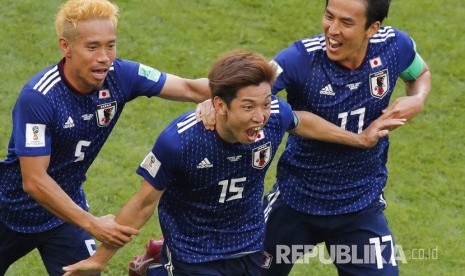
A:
[(44, 81), (388, 34), (124, 66), (40, 88), (313, 45), (179, 129), (281, 112), (303, 48)]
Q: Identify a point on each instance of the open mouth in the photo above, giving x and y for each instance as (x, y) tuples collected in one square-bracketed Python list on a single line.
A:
[(99, 74), (253, 132), (333, 44)]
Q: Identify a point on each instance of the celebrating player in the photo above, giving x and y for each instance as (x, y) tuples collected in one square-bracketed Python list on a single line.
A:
[(61, 120), (333, 193), (209, 184)]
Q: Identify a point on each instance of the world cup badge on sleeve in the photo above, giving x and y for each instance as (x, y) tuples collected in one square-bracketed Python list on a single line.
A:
[(261, 156), (105, 113)]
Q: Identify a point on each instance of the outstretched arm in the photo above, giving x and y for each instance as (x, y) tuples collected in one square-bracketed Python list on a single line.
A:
[(40, 186), (135, 213), (312, 126), (187, 90)]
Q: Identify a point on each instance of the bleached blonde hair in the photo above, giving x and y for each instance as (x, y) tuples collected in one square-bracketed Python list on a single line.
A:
[(73, 11)]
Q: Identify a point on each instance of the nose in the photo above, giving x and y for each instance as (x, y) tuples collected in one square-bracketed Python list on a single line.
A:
[(103, 56), (259, 116), (334, 27)]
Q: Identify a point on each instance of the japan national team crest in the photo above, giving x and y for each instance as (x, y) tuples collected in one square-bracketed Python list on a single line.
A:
[(379, 83), (105, 113), (261, 156)]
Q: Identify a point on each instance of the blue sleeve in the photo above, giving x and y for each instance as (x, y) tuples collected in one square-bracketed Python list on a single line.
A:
[(406, 50), (288, 118), (290, 64), (159, 167), (32, 121), (138, 79)]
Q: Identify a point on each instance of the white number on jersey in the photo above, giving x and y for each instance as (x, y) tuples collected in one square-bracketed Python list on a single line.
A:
[(79, 153), (229, 190), (361, 116)]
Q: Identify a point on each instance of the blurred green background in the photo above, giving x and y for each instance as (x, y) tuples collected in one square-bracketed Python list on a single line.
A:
[(425, 190)]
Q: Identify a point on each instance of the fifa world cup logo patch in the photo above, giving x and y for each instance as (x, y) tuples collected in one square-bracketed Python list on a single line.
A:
[(261, 156), (379, 83), (35, 131)]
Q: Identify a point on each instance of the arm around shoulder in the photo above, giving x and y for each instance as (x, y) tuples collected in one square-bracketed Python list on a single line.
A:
[(188, 90)]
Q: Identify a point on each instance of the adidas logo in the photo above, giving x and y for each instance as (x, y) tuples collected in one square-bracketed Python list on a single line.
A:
[(327, 90), (69, 123), (205, 164)]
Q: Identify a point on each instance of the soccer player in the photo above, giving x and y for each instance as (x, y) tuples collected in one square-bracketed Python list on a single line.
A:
[(333, 193), (61, 120), (209, 184)]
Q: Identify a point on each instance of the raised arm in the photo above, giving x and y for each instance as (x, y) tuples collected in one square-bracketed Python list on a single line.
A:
[(312, 126), (40, 186), (417, 92), (135, 213), (188, 90)]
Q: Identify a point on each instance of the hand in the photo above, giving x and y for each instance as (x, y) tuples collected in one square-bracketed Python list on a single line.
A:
[(107, 230), (85, 267), (205, 112), (378, 129), (405, 107)]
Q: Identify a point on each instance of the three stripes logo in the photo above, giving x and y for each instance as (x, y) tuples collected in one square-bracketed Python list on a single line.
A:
[(327, 90), (69, 123), (205, 163)]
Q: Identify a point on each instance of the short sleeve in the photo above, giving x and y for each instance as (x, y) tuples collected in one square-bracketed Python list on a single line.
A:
[(138, 79), (32, 121), (160, 165), (289, 63)]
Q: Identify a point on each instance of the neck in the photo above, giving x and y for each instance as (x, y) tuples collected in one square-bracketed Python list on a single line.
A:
[(223, 131)]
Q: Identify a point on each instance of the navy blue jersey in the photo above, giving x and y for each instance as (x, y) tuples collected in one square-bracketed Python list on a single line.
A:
[(51, 118), (211, 205), (323, 178)]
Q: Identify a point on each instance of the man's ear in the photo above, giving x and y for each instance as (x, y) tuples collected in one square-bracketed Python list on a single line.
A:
[(373, 29), (65, 47), (220, 105)]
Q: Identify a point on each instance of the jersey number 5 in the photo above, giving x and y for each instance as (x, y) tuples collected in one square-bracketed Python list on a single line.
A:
[(79, 153), (229, 190)]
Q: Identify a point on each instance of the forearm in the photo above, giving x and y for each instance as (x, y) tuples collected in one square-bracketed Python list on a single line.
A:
[(135, 213), (314, 127), (421, 87), (187, 90), (199, 90), (49, 195)]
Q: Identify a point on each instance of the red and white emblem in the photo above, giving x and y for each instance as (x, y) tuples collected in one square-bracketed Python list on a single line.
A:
[(379, 83), (105, 113), (104, 94), (261, 156)]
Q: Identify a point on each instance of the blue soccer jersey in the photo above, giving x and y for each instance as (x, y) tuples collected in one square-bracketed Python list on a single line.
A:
[(51, 118), (327, 179), (211, 207)]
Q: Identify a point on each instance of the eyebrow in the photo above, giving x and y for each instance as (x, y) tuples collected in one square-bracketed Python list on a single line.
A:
[(345, 19), (253, 101)]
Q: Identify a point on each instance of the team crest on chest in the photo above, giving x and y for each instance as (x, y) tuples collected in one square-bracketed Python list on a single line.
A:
[(261, 156), (379, 83), (105, 113)]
